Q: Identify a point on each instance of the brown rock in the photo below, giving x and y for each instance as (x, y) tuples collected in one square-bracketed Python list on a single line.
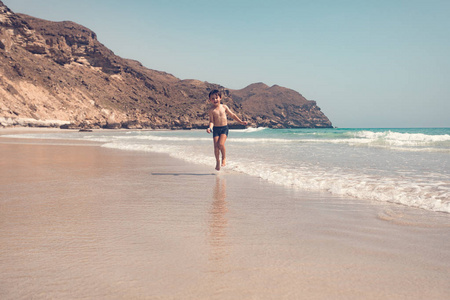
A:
[(60, 71)]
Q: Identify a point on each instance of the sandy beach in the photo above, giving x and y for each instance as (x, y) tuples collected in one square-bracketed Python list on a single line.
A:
[(78, 221)]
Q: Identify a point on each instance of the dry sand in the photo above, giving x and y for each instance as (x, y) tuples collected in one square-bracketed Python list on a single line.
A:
[(78, 221)]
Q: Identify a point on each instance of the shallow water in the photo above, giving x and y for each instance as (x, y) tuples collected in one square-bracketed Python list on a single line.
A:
[(405, 166)]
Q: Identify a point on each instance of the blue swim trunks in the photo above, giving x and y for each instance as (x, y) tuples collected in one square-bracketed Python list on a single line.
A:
[(218, 130)]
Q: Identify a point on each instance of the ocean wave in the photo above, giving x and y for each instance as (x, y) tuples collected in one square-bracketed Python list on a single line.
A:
[(174, 151), (261, 140), (251, 129), (139, 147), (349, 141), (397, 141), (163, 138), (401, 139), (407, 190)]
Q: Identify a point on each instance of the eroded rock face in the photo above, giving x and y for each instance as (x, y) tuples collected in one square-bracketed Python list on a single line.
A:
[(60, 71), (15, 31), (279, 107)]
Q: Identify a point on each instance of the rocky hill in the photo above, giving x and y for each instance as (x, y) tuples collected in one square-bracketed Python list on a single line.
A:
[(59, 74)]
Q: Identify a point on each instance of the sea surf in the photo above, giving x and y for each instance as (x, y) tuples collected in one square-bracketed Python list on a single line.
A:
[(403, 166)]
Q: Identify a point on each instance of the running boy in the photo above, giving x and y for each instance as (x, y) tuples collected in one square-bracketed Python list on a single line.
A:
[(218, 119)]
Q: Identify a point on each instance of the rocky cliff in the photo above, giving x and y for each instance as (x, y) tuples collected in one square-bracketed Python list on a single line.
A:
[(59, 74)]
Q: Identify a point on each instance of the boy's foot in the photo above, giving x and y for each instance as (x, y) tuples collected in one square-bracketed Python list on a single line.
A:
[(218, 166), (224, 162)]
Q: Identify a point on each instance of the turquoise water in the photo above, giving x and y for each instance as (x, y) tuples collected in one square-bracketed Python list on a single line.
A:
[(405, 166)]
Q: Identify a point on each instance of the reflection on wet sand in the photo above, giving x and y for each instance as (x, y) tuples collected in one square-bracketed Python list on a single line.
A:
[(218, 225)]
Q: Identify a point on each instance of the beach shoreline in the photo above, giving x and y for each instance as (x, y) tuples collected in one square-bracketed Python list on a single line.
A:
[(79, 220)]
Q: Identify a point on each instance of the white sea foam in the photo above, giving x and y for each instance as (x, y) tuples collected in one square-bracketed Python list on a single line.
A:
[(173, 151), (252, 129), (397, 141), (402, 190), (163, 138), (398, 136), (263, 140), (402, 139), (408, 192)]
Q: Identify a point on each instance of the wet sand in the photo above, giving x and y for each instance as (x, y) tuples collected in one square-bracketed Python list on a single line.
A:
[(81, 221)]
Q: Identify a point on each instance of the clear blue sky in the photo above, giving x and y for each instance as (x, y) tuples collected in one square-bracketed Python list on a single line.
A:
[(383, 63)]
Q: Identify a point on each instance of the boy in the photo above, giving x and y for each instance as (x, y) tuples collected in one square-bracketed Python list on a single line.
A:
[(218, 119)]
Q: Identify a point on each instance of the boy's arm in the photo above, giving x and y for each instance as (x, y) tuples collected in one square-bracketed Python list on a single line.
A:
[(211, 122), (233, 115)]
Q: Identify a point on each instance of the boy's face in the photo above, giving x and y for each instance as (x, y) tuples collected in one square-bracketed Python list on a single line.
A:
[(215, 99)]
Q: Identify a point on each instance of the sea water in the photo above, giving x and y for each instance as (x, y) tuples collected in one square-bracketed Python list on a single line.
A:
[(405, 166)]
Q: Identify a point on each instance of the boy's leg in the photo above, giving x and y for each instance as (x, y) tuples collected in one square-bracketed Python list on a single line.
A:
[(222, 139), (217, 151)]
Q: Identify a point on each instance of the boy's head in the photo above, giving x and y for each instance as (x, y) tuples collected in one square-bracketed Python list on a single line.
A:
[(215, 96)]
